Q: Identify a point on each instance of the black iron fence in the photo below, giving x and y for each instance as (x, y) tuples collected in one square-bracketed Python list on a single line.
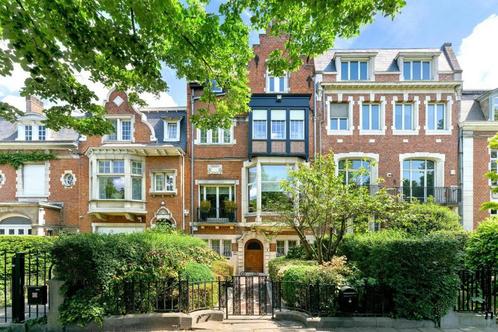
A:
[(217, 214), (23, 285), (478, 292)]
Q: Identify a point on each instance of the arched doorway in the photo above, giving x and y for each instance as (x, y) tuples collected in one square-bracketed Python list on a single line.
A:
[(253, 256)]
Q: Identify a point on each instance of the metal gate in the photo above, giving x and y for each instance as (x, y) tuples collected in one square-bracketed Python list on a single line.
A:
[(249, 296)]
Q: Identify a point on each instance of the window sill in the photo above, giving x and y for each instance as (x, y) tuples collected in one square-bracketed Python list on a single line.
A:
[(437, 132), (216, 144), (372, 132), (339, 132), (405, 132), (163, 193), (171, 140)]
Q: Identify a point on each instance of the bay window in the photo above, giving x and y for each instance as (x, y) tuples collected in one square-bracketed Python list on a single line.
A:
[(259, 123), (119, 179), (278, 118), (404, 117), (436, 116), (370, 117), (297, 124)]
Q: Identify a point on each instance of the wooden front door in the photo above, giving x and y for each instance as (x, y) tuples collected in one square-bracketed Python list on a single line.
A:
[(253, 256)]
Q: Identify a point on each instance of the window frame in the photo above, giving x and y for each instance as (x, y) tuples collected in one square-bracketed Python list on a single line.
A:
[(435, 115), (220, 134), (422, 61), (285, 79), (265, 120), (370, 122), (348, 63), (414, 117), (348, 170), (127, 174), (165, 173), (279, 121), (30, 131), (42, 129), (23, 181), (166, 124), (339, 131), (118, 134), (294, 113)]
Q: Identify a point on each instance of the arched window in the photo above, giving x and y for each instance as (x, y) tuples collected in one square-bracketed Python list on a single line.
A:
[(15, 226), (355, 171), (418, 179)]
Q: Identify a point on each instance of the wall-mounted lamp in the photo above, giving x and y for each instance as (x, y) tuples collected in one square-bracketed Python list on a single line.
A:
[(279, 98)]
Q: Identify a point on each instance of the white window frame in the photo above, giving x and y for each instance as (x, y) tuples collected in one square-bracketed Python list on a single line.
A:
[(493, 104), (278, 118), (448, 116), (403, 128), (349, 131), (31, 132), (27, 229), (439, 165), (221, 138), (39, 130), (166, 136), (20, 181), (381, 118), (372, 157), (348, 61), (493, 160), (165, 173), (119, 133), (260, 118), (422, 60), (297, 115), (277, 86)]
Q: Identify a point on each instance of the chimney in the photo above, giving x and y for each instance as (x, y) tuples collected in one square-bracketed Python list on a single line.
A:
[(34, 105)]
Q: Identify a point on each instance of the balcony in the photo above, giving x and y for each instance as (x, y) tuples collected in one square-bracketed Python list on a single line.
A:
[(217, 215), (440, 195)]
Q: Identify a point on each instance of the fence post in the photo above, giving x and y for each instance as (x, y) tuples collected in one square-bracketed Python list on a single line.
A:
[(18, 314)]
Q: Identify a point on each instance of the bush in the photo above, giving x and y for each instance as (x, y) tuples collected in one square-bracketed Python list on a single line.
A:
[(196, 272), (424, 218), (482, 246), (420, 271), (94, 266), (14, 244), (277, 266), (222, 268)]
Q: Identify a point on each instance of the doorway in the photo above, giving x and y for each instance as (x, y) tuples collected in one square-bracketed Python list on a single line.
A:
[(253, 256)]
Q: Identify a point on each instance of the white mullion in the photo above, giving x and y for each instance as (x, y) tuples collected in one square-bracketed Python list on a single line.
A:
[(218, 202)]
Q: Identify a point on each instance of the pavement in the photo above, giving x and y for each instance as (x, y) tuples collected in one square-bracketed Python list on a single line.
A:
[(268, 325)]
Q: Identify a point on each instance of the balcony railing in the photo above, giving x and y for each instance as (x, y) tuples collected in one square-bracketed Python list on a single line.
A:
[(439, 195), (217, 215)]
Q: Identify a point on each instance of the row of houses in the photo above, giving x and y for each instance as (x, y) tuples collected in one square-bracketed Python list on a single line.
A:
[(400, 113)]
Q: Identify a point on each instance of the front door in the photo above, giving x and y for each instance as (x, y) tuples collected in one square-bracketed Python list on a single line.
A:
[(253, 256)]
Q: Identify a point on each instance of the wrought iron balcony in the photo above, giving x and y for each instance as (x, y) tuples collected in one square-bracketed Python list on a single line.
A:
[(216, 215), (440, 195)]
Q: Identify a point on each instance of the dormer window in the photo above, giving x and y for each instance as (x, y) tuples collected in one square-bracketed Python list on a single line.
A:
[(42, 133), (28, 132), (354, 70), (122, 130), (276, 84), (417, 70), (172, 130), (495, 108)]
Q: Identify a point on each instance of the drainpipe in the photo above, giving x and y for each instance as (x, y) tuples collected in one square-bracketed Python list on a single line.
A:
[(193, 98), (315, 114), (183, 191)]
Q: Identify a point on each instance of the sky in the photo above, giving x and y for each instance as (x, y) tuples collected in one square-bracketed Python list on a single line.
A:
[(470, 25)]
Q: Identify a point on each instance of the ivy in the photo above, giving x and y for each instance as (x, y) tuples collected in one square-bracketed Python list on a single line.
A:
[(17, 159)]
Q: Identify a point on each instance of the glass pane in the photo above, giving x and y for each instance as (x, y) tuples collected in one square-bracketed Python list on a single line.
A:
[(334, 123), (170, 182), (172, 130), (215, 245), (398, 117), (365, 117), (104, 166), (270, 200), (227, 248), (252, 193), (273, 172), (407, 70), (113, 136), (363, 70), (159, 181), (227, 136), (426, 70), (375, 117), (297, 129), (111, 187), (282, 84), (252, 174), (278, 129), (354, 70), (343, 124), (215, 136), (408, 110), (430, 117), (126, 130), (406, 164), (204, 135), (417, 70), (136, 188), (272, 84), (136, 167), (430, 164), (280, 248), (118, 166), (259, 129), (211, 197), (441, 118), (291, 244), (344, 71)]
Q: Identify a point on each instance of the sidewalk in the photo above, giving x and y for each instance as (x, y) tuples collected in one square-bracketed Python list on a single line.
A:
[(268, 325)]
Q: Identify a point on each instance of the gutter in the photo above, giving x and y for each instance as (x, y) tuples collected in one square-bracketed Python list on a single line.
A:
[(193, 98)]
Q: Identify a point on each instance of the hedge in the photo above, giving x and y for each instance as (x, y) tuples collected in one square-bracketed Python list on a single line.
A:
[(94, 266), (420, 271), (482, 246)]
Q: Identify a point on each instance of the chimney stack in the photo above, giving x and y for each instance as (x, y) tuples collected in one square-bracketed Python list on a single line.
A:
[(34, 105)]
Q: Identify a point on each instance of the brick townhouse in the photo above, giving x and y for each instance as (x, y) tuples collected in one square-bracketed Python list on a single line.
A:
[(400, 113)]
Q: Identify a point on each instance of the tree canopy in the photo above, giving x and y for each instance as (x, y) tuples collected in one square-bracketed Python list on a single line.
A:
[(125, 43)]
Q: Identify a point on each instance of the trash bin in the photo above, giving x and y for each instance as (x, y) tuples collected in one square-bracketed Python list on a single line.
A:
[(348, 299)]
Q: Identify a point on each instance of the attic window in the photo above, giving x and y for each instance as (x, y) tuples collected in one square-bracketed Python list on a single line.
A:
[(495, 108), (416, 70)]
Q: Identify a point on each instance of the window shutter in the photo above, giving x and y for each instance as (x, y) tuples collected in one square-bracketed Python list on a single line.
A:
[(339, 110), (34, 181)]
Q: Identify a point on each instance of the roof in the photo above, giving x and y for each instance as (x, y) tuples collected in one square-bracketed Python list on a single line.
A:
[(385, 58), (8, 130)]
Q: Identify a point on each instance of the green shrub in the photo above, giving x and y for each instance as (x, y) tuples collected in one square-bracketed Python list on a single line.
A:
[(12, 243), (424, 218), (277, 266), (196, 272), (482, 246), (222, 268), (420, 271), (94, 266)]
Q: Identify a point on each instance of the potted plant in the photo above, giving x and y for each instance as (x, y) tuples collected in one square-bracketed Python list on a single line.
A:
[(230, 207), (205, 208)]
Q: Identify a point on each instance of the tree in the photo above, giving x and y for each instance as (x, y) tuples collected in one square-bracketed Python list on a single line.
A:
[(492, 175), (125, 43), (324, 206)]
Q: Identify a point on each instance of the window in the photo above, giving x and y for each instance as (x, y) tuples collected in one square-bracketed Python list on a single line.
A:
[(280, 248), (436, 116), (172, 131), (259, 124), (271, 192), (122, 130), (218, 197), (227, 248), (42, 133), (215, 87), (68, 180), (291, 244), (493, 165), (354, 70), (278, 124), (136, 179), (416, 70), (111, 179), (418, 179), (34, 180), (339, 116), (215, 245), (164, 182), (404, 117), (370, 117), (276, 84), (215, 136), (495, 108), (28, 132), (297, 125), (356, 171), (252, 189)]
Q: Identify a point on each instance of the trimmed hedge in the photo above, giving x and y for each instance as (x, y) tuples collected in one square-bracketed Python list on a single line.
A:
[(420, 271), (482, 246), (277, 266), (93, 266), (196, 272), (13, 244)]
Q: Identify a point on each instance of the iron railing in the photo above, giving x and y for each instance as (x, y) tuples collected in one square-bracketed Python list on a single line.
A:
[(217, 215), (440, 195), (478, 292)]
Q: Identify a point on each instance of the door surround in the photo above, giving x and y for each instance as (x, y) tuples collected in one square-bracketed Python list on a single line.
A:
[(254, 256)]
